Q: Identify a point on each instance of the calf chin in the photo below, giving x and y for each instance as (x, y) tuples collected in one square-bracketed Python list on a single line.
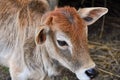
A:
[(56, 69)]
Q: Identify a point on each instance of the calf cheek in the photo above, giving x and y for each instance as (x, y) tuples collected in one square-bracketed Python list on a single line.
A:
[(87, 62), (82, 60), (51, 48)]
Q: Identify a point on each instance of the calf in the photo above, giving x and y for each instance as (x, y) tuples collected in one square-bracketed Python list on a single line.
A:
[(35, 42)]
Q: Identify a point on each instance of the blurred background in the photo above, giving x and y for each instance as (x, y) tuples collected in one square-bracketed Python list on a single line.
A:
[(104, 40)]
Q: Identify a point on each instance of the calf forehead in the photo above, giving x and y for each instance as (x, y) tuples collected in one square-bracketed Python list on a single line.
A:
[(68, 21)]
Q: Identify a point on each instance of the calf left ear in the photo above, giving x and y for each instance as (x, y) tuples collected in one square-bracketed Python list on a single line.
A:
[(41, 36), (90, 15)]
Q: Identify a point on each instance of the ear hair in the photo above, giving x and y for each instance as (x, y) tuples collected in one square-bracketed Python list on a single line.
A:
[(90, 15), (42, 31), (41, 34)]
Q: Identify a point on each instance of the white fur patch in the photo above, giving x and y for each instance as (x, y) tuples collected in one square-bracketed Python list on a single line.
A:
[(62, 37), (25, 74), (81, 75)]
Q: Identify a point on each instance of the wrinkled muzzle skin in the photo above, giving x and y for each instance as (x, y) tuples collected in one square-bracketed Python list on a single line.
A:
[(65, 37)]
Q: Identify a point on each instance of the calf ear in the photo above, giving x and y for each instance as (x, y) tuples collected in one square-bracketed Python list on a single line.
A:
[(43, 30), (53, 4), (90, 15), (40, 35)]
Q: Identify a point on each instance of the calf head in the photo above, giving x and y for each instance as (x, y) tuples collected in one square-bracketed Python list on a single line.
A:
[(64, 34)]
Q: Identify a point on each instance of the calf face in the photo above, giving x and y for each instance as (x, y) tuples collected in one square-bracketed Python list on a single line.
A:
[(64, 34)]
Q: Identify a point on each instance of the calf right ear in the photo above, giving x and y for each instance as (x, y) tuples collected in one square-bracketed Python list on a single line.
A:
[(44, 29), (41, 35)]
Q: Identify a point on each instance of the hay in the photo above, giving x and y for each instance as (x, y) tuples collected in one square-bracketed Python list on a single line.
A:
[(107, 58)]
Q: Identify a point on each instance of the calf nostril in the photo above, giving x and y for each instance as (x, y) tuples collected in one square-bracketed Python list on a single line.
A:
[(92, 73)]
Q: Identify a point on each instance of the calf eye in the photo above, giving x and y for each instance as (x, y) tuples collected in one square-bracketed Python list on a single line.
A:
[(62, 43)]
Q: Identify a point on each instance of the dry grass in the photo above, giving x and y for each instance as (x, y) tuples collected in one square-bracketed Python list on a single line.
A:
[(107, 58)]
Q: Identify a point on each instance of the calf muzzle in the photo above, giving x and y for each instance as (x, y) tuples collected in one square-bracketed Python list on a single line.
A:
[(91, 73)]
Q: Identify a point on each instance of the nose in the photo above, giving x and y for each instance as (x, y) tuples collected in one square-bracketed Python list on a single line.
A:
[(92, 73)]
